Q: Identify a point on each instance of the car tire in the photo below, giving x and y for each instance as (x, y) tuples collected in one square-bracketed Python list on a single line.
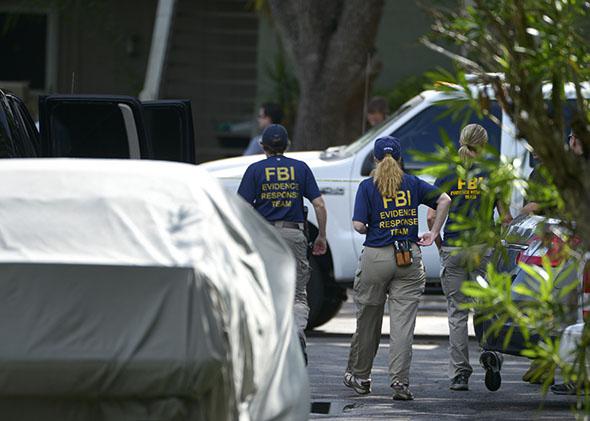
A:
[(334, 296), (324, 296)]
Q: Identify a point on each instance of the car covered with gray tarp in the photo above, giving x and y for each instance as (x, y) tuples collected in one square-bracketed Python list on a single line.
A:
[(139, 290)]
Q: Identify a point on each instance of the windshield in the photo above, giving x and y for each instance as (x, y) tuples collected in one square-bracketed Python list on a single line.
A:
[(360, 143)]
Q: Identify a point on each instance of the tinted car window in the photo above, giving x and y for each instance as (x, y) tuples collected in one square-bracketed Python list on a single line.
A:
[(93, 130), (164, 126), (422, 132), (370, 134)]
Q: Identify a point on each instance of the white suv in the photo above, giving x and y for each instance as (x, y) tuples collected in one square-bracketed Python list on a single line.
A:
[(339, 170)]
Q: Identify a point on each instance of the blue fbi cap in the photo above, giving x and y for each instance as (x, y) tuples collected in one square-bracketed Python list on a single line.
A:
[(274, 136), (387, 145)]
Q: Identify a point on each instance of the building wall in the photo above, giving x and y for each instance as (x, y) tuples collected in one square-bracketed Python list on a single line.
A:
[(93, 47), (403, 23), (212, 61), (104, 47)]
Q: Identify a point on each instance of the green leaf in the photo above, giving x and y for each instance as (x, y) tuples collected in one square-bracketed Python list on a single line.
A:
[(474, 291), (524, 290), (530, 353)]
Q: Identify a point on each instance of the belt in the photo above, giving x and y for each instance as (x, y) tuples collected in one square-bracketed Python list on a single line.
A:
[(288, 224)]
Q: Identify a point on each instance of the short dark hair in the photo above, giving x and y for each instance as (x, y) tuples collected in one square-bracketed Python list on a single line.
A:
[(274, 111), (378, 104), (274, 150)]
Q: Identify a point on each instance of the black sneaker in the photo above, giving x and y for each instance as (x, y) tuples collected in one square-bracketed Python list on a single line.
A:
[(568, 388), (401, 392), (492, 363), (360, 386), (460, 382)]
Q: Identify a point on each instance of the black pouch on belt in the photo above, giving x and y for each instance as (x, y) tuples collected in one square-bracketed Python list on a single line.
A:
[(403, 253)]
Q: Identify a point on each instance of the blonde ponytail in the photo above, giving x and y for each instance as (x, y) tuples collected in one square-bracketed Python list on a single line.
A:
[(388, 176), (473, 139)]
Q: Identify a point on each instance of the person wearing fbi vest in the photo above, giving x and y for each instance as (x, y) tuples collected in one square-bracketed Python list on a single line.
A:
[(276, 187), (460, 264), (390, 267)]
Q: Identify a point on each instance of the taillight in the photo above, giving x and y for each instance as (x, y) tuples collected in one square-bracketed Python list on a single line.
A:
[(586, 291), (538, 248)]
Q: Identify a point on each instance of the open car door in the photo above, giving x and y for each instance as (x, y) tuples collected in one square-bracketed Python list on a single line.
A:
[(169, 124), (80, 126)]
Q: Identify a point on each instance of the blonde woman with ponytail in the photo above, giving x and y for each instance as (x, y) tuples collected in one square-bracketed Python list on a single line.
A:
[(390, 267), (388, 176), (473, 140), (466, 196)]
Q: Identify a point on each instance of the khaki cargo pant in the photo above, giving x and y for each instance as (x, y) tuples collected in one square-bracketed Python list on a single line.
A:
[(298, 244), (455, 272), (378, 279)]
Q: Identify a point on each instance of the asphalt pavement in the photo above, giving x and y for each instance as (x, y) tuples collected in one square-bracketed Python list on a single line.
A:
[(328, 348)]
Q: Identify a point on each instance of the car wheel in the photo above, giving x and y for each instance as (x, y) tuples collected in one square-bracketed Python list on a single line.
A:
[(330, 307), (324, 296)]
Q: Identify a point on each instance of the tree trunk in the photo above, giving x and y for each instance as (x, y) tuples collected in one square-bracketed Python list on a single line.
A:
[(330, 41)]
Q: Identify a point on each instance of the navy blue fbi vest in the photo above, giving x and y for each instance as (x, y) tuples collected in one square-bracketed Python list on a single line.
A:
[(394, 218), (465, 200), (276, 187)]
